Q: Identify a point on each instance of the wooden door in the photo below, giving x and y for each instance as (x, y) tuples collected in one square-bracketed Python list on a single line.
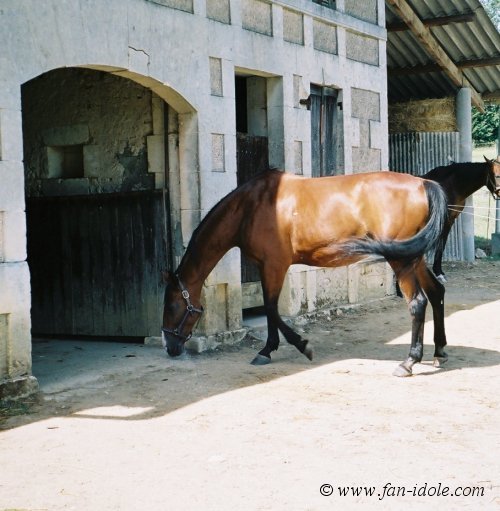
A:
[(323, 104), (252, 157), (96, 264)]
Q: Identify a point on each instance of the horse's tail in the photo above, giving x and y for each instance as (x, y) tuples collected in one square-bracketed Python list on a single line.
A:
[(427, 239)]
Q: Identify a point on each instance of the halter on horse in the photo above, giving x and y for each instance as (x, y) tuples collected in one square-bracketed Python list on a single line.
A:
[(279, 219)]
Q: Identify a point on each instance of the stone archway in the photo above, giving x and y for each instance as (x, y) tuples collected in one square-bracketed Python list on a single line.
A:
[(98, 160)]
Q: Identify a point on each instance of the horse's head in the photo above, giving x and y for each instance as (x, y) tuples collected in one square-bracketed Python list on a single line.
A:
[(493, 177), (179, 315)]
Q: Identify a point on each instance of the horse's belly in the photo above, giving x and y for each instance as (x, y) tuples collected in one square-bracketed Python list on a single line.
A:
[(328, 256)]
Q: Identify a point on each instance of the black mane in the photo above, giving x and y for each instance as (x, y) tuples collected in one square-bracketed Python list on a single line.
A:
[(445, 171)]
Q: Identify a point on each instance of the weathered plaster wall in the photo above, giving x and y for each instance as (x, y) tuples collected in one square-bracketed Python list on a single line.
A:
[(108, 116)]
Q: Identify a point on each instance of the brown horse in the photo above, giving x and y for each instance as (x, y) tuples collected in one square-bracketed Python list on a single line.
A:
[(279, 219), (460, 180)]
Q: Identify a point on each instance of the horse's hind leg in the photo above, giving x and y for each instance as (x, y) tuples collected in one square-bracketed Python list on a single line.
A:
[(435, 293), (417, 303), (272, 282), (437, 267)]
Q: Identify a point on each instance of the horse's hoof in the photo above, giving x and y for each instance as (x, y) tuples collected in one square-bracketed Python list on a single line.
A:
[(308, 352), (442, 278), (402, 371), (439, 361), (260, 360)]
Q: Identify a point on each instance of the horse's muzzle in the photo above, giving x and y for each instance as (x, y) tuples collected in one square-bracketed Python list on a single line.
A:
[(172, 344)]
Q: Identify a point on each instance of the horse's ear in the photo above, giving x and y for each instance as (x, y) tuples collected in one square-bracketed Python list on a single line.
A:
[(487, 160)]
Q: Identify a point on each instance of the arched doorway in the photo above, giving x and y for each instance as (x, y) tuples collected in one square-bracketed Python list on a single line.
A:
[(97, 193)]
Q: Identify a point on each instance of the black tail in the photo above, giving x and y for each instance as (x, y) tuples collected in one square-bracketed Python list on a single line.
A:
[(429, 238)]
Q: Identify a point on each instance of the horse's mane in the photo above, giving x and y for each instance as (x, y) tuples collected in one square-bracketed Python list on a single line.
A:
[(445, 171), (218, 208)]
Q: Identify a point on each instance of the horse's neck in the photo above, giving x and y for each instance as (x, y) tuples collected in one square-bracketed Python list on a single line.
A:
[(473, 176), (213, 238)]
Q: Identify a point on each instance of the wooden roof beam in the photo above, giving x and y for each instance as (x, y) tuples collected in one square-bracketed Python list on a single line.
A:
[(465, 17), (434, 49), (432, 68)]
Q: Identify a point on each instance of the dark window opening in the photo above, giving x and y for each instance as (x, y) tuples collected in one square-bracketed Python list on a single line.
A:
[(325, 3), (65, 162)]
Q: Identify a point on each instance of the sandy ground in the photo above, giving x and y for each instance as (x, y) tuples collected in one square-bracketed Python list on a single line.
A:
[(123, 427)]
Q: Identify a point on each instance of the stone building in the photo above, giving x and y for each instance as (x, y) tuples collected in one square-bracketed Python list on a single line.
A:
[(122, 122)]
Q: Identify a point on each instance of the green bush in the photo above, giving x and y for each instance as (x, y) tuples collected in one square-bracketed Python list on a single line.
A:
[(485, 126)]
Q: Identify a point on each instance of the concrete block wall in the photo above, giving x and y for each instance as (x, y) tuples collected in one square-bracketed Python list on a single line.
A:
[(186, 53), (15, 323)]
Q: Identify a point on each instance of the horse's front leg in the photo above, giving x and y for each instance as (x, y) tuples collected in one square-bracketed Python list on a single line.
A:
[(272, 281), (417, 303), (273, 340)]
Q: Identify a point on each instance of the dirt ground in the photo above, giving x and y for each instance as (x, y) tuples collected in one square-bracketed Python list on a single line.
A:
[(122, 427)]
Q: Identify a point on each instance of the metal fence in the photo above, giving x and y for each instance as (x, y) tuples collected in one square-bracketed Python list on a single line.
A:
[(417, 153)]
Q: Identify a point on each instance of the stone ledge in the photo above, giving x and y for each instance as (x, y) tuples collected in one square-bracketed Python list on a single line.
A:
[(18, 388), (201, 343)]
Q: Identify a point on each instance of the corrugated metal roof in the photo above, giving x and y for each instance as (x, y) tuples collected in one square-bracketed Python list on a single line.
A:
[(463, 42)]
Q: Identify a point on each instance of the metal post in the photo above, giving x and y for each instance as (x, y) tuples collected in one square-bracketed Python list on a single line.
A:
[(497, 208), (495, 237), (464, 123)]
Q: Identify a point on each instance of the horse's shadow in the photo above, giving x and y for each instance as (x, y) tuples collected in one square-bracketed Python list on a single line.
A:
[(144, 378)]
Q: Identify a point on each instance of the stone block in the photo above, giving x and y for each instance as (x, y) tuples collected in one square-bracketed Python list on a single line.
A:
[(218, 154), (378, 136), (190, 218), (11, 135), (362, 49), (293, 27), (257, 16), (216, 82), (74, 134), (92, 161), (355, 132), (18, 388), (12, 186), (325, 37), (251, 295), (199, 343), (10, 92), (366, 159), (365, 104), (15, 338), (219, 10), (158, 112), (12, 236), (156, 153), (365, 10), (183, 5)]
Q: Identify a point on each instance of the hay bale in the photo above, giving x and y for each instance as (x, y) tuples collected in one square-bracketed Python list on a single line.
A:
[(424, 115)]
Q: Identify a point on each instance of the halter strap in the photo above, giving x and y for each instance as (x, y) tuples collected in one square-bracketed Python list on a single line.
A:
[(190, 309), (493, 181)]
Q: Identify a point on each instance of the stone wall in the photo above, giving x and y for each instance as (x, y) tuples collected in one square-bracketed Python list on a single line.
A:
[(102, 118), (367, 126)]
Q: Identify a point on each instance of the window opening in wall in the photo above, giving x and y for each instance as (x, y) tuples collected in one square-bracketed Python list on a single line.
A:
[(325, 3), (65, 162)]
